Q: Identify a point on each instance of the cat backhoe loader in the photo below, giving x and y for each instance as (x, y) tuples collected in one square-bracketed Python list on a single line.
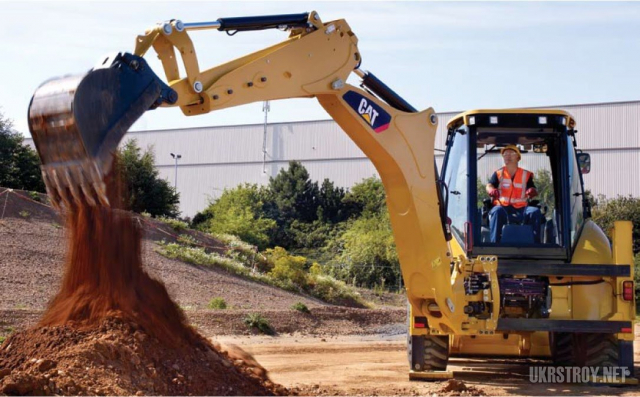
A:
[(568, 296)]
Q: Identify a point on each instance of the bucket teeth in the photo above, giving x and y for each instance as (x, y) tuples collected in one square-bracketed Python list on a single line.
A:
[(75, 185), (77, 122)]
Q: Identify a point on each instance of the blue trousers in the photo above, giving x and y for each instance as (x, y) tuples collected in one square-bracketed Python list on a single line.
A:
[(501, 215)]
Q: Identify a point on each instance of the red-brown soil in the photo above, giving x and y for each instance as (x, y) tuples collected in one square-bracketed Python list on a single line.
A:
[(119, 358), (114, 326)]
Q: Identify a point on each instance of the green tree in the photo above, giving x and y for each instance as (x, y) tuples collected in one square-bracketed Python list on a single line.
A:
[(481, 189), (331, 209), (544, 186), (620, 208), (292, 197), (239, 211), (146, 191), (366, 198), (19, 164)]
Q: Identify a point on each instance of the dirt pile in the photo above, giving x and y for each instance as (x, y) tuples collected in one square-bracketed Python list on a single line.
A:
[(454, 387), (120, 358), (112, 329)]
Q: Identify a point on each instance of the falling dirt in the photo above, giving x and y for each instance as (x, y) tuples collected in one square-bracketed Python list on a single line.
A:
[(112, 329), (104, 277)]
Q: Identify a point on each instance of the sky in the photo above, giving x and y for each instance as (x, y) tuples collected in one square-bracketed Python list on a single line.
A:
[(451, 56)]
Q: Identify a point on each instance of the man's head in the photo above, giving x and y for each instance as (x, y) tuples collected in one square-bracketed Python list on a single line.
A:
[(510, 154)]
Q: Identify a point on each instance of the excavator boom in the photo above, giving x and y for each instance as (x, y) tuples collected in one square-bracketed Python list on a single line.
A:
[(77, 123)]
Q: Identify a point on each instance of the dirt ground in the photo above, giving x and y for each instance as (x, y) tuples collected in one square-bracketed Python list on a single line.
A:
[(330, 351), (377, 365)]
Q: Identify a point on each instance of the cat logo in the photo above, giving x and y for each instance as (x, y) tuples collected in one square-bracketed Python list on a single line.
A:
[(372, 113), (367, 111)]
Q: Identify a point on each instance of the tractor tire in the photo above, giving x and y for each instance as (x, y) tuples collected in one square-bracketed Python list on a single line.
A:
[(585, 349), (597, 350), (561, 344), (436, 352)]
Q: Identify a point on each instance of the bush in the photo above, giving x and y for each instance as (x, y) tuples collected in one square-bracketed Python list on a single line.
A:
[(315, 269), (217, 303), (258, 322), (301, 307), (239, 212), (366, 252), (35, 196), (334, 291), (287, 267)]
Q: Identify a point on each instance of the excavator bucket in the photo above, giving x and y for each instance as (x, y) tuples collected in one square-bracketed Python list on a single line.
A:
[(77, 123)]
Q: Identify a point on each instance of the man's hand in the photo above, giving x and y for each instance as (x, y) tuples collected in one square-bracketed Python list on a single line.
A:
[(494, 194), (531, 192)]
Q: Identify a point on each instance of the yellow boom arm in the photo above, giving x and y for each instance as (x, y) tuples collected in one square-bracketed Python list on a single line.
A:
[(315, 61)]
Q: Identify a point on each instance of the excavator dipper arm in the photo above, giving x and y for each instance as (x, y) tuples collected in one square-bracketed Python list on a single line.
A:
[(76, 137)]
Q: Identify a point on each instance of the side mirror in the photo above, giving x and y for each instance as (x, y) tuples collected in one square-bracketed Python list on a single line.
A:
[(584, 162)]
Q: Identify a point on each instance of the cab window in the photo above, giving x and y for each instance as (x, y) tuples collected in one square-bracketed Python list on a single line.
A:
[(457, 179), (576, 193)]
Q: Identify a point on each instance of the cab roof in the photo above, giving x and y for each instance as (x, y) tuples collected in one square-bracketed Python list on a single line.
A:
[(463, 118)]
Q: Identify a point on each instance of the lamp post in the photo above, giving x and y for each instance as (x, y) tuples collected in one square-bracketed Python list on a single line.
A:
[(176, 157)]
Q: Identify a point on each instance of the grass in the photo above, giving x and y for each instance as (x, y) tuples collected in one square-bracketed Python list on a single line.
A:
[(322, 287), (187, 240), (175, 224), (217, 303), (35, 196), (301, 307), (7, 330), (198, 256), (258, 322)]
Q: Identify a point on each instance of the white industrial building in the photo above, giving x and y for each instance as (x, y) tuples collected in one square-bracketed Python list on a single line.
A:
[(215, 158)]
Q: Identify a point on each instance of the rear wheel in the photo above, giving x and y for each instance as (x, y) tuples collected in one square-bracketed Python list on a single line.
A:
[(436, 353), (428, 352), (585, 349), (561, 344), (597, 350)]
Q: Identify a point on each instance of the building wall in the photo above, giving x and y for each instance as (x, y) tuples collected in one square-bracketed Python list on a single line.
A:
[(215, 158)]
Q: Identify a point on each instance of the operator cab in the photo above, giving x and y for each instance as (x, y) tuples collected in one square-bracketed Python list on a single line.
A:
[(546, 142)]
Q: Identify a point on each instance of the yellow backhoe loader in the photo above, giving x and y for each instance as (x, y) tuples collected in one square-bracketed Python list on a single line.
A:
[(555, 289)]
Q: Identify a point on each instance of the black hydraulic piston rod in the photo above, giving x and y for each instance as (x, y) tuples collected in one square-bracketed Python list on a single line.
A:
[(375, 85), (239, 24)]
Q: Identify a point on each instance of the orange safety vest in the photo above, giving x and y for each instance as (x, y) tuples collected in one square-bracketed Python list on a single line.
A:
[(512, 190)]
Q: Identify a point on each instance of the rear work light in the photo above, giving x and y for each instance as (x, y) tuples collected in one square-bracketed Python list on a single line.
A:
[(420, 322), (627, 290)]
